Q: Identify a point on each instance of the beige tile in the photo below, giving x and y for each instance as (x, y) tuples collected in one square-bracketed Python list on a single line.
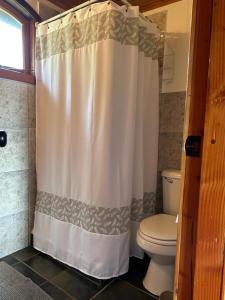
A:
[(14, 157), (32, 188), (170, 150), (13, 192), (32, 148), (13, 104), (31, 106), (172, 108), (14, 233)]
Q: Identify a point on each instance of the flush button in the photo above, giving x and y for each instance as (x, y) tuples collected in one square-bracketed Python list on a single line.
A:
[(3, 138)]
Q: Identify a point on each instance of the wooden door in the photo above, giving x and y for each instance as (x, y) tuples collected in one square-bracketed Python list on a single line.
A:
[(200, 259), (209, 256)]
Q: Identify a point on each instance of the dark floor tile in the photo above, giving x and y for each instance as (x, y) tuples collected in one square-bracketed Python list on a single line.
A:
[(76, 285), (54, 292), (96, 281), (10, 260), (121, 290), (137, 270), (23, 269), (25, 253), (45, 265)]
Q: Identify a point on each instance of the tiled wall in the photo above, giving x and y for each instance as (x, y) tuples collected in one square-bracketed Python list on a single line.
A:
[(171, 118), (171, 121), (17, 165)]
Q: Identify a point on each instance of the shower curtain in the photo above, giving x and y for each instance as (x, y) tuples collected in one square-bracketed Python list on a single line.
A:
[(97, 136)]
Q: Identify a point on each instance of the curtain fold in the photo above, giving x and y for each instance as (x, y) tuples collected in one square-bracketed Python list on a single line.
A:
[(97, 136)]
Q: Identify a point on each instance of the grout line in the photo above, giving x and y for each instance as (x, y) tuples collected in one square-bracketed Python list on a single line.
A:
[(48, 280), (20, 260), (137, 288), (105, 287), (83, 275)]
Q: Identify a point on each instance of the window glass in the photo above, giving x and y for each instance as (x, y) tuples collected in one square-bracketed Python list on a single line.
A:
[(11, 37)]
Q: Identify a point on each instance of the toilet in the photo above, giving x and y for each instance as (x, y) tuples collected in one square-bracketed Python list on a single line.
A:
[(157, 236)]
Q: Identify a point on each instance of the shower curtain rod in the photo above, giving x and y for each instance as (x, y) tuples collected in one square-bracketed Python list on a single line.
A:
[(85, 4)]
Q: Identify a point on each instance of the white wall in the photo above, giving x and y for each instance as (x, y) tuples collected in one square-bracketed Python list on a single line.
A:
[(177, 40), (33, 3), (45, 8)]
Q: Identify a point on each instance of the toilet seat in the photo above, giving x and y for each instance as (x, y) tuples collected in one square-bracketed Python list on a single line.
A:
[(159, 229)]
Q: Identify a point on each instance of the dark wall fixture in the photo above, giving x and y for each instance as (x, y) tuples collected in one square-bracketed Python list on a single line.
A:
[(3, 138)]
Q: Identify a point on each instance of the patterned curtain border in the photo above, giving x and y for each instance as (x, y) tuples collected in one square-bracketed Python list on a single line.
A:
[(110, 24), (109, 221)]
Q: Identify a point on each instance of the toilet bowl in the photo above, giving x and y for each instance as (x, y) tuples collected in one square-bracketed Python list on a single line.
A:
[(157, 236)]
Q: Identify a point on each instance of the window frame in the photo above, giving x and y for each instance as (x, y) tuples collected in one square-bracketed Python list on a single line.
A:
[(28, 33)]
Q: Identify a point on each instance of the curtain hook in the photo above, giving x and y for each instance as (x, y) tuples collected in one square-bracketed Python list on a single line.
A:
[(127, 8)]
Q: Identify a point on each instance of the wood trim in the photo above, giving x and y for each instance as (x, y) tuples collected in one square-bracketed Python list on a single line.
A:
[(27, 8), (210, 247), (27, 74), (18, 76), (144, 5), (156, 4), (191, 166), (11, 10)]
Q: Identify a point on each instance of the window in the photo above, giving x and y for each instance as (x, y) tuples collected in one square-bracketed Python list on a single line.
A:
[(11, 37), (16, 50)]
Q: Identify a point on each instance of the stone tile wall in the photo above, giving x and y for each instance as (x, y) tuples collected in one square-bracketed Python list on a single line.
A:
[(171, 118), (17, 165), (171, 122)]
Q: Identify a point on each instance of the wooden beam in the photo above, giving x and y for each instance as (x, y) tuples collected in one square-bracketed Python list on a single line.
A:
[(145, 5), (149, 5)]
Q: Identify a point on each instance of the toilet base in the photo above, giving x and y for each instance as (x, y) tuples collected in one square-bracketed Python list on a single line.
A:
[(159, 277)]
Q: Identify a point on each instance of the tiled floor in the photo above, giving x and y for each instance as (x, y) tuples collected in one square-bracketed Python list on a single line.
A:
[(65, 283)]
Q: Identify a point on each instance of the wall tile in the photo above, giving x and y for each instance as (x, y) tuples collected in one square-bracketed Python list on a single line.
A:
[(13, 192), (32, 188), (13, 104), (17, 183), (31, 106), (31, 222), (14, 157), (172, 107), (32, 199), (159, 193), (13, 231), (170, 150), (32, 148)]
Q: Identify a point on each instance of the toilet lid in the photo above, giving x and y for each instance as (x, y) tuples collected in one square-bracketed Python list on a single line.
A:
[(160, 227)]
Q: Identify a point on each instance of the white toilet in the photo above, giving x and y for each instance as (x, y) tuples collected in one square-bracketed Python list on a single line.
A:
[(157, 236)]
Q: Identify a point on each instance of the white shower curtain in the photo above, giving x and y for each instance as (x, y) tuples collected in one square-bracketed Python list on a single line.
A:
[(97, 136)]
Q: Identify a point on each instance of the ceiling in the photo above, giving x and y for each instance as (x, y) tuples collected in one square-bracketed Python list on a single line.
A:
[(145, 5)]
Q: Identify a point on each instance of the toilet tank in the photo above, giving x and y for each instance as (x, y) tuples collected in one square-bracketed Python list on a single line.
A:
[(171, 191)]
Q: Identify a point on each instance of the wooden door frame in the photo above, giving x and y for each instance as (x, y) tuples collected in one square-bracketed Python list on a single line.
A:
[(194, 276)]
